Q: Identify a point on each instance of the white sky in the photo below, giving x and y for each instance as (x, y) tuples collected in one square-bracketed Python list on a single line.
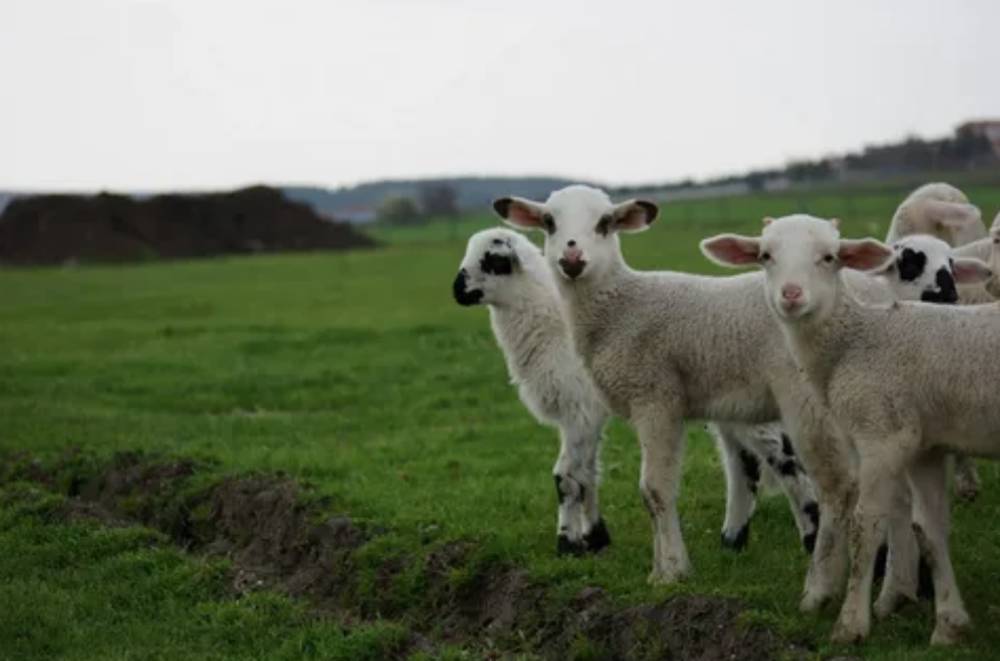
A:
[(205, 93)]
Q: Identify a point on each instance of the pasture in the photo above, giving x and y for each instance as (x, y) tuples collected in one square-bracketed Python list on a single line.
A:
[(357, 374)]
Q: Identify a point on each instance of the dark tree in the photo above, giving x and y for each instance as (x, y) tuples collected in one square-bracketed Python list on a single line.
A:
[(438, 199)]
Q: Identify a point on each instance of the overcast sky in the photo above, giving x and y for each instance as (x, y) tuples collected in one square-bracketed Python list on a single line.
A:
[(205, 93)]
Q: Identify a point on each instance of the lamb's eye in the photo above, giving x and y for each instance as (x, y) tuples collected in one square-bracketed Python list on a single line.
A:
[(604, 226), (549, 222), (828, 259), (765, 257)]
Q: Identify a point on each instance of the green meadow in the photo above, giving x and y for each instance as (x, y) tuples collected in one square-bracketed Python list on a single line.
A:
[(357, 374)]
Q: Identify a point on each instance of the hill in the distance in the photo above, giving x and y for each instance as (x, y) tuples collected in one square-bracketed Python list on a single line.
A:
[(56, 229), (358, 203)]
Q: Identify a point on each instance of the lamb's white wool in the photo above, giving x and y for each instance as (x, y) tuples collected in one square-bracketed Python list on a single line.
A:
[(504, 270), (906, 382), (665, 347), (944, 211), (941, 210)]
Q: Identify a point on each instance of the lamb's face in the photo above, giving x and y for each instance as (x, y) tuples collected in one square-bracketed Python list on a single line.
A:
[(801, 257), (494, 261), (581, 227), (923, 270)]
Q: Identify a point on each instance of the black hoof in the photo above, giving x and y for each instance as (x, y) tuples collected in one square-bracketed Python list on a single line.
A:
[(880, 561), (565, 546), (809, 542), (739, 541), (598, 537)]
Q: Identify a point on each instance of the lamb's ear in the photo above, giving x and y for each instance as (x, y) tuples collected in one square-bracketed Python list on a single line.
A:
[(731, 250), (953, 215), (520, 212), (634, 215), (865, 254), (968, 270)]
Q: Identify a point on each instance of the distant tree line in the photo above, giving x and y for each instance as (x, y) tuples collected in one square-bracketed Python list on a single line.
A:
[(966, 150), (434, 200)]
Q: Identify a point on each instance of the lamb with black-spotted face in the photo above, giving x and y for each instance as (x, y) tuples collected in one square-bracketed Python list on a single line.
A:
[(505, 271)]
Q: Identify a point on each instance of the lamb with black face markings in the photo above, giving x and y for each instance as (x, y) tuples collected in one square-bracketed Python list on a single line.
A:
[(505, 271)]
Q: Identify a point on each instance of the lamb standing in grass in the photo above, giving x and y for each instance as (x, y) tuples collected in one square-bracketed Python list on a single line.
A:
[(943, 211), (504, 270), (665, 347), (907, 382)]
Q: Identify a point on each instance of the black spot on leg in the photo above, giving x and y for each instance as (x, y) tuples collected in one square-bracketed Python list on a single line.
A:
[(583, 494), (786, 446), (559, 492), (788, 467), (809, 542), (811, 509), (739, 541), (751, 468), (495, 264), (598, 537)]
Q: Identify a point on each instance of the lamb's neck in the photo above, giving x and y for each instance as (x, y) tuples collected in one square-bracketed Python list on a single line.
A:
[(818, 344), (587, 305), (526, 328)]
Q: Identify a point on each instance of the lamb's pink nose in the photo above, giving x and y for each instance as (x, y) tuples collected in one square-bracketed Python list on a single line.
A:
[(791, 292), (572, 254)]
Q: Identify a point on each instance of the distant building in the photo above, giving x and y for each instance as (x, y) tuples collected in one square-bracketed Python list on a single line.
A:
[(985, 128)]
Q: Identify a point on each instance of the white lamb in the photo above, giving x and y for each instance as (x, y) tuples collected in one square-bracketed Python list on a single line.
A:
[(504, 270), (665, 347), (907, 382), (941, 210)]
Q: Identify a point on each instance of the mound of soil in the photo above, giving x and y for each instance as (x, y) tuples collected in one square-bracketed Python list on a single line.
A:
[(58, 229), (278, 538)]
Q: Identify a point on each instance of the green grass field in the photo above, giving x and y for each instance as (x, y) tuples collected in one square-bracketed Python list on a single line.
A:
[(358, 373)]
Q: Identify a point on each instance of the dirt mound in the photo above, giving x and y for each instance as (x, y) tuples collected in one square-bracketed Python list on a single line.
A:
[(279, 536), (57, 229)]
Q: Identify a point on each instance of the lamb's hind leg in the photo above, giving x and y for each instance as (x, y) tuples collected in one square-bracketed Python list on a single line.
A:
[(661, 438), (771, 442), (570, 492), (742, 468), (967, 484), (928, 478)]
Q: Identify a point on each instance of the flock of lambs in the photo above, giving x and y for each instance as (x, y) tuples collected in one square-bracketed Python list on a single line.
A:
[(838, 369)]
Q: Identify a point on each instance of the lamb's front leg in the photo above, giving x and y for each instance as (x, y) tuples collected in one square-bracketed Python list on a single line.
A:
[(595, 530), (826, 456), (880, 479), (928, 478), (661, 438)]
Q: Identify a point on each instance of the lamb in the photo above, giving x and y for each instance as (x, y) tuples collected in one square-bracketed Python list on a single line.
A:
[(941, 210), (906, 382), (664, 347), (507, 272)]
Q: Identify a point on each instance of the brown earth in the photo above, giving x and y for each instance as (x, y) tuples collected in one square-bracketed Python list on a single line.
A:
[(59, 229), (280, 537)]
